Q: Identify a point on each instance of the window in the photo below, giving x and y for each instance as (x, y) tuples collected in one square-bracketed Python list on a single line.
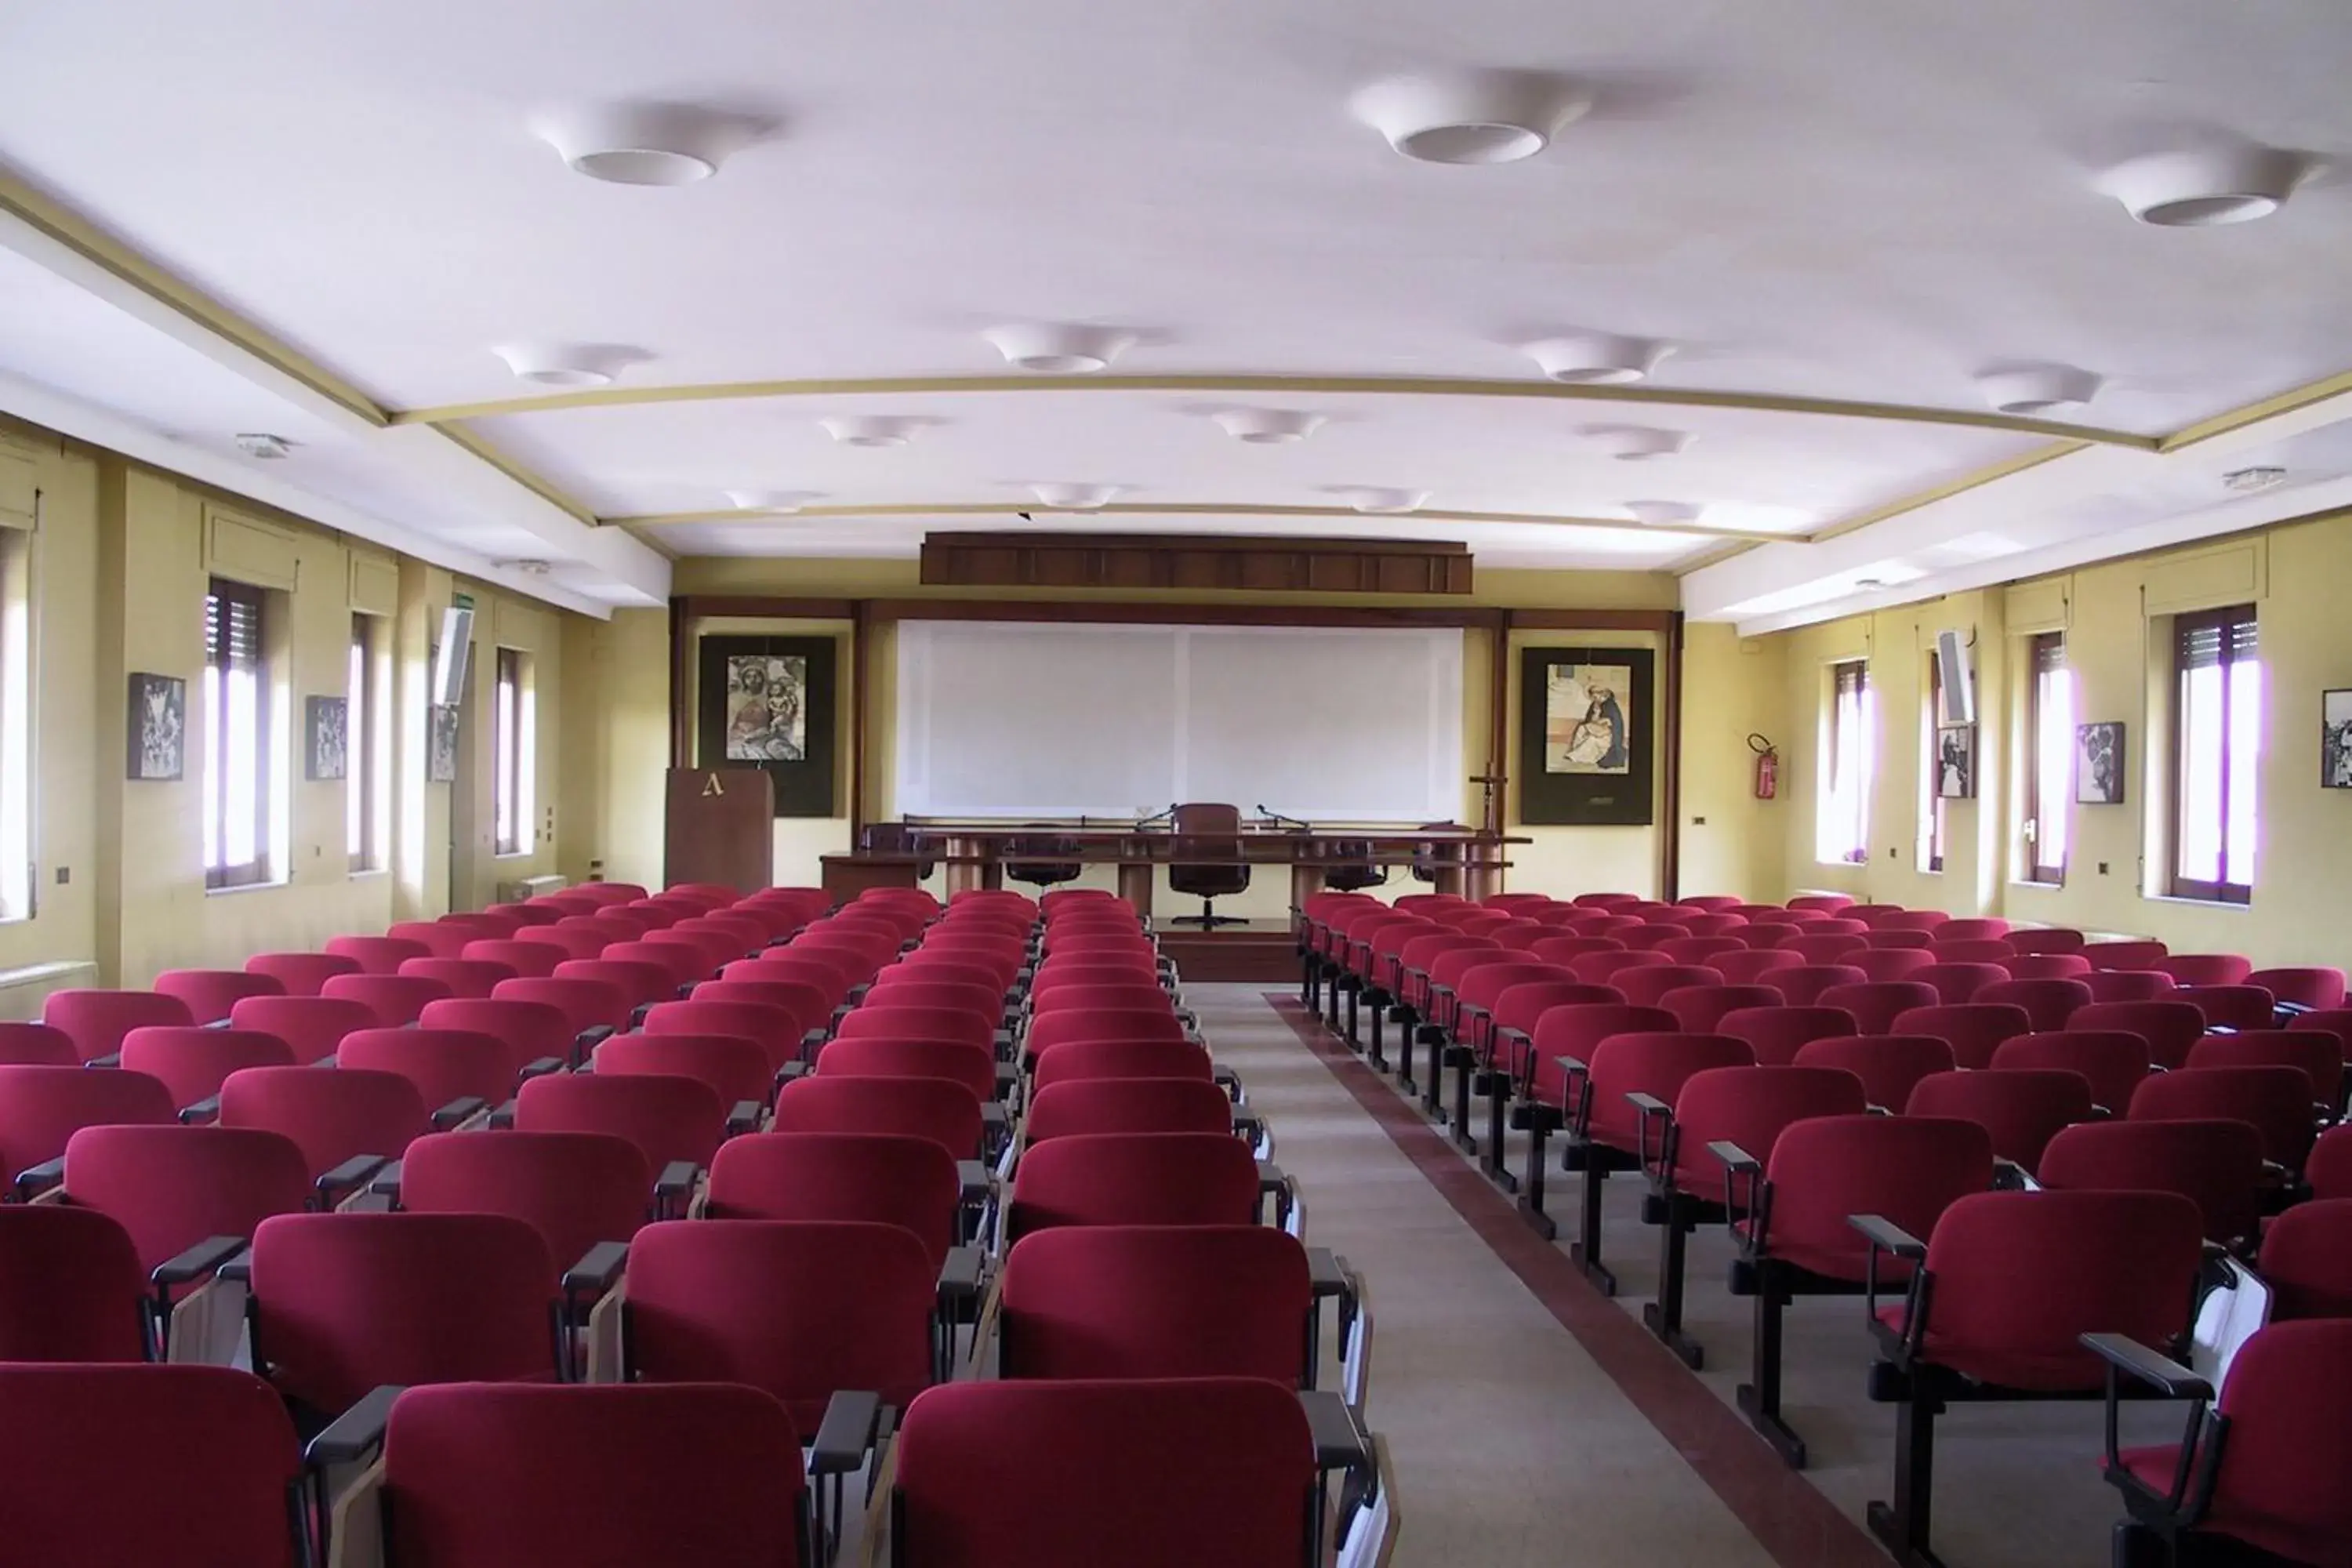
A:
[(2048, 756), (236, 738), (367, 793), (512, 732), (16, 727), (2217, 736), (1932, 811), (1845, 825)]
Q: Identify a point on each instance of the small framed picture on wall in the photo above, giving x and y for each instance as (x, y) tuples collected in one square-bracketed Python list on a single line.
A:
[(2335, 739), (325, 746), (1955, 761), (2099, 764), (159, 727)]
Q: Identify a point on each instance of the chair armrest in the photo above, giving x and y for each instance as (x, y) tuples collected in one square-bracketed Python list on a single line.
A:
[(1273, 1181), (111, 1059), (355, 1172), (1736, 1160), (1003, 1042), (743, 1116), (674, 1186), (540, 1067), (387, 1183), (1340, 1443), (852, 1420), (204, 1257), (204, 1109), (1327, 1272), (1888, 1236), (35, 1179), (1008, 1078), (459, 1111), (963, 1274), (357, 1432), (2009, 1176), (813, 1041), (1247, 1125), (2161, 1373), (584, 1044), (977, 1179), (793, 1072), (597, 1268), (994, 1120), (503, 1117), (1658, 1113), (1224, 1078)]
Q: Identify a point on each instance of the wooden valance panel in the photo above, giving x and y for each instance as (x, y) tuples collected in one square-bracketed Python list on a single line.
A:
[(1124, 561)]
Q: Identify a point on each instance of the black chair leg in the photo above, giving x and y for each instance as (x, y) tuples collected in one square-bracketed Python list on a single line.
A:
[(1759, 1398), (1901, 1526), (1531, 1188), (1499, 1104), (1408, 1030), (1375, 1056), (1355, 996), (1464, 1059), (1310, 971), (1433, 1036), (1585, 1252), (1663, 1317)]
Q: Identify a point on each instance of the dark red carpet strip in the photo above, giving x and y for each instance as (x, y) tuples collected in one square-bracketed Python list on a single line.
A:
[(1788, 1516)]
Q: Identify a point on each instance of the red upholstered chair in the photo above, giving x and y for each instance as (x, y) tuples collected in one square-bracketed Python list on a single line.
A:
[(675, 1124), (2306, 1259), (1697, 1009), (344, 1303), (575, 1189), (1060, 996), (1648, 985), (1076, 1060), (1166, 1178), (2315, 1053), (439, 939), (2275, 1099), (946, 1112), (1891, 962), (1889, 1066), (2127, 984), (736, 1069), (2273, 1487), (2022, 1111), (469, 977), (1651, 937), (1776, 1034), (1797, 1239), (397, 1000), (1761, 936), (977, 1069), (1971, 929), (1910, 919), (779, 1033), (41, 1107), (311, 1025), (1802, 985), (606, 930), (1045, 1032), (588, 1005), (301, 974), (1827, 903), (1876, 1004), (2206, 968), (36, 1045), (1747, 1108), (571, 942), (2124, 954), (96, 1020), (1788, 917), (1126, 1106), (2047, 1004), (2006, 1287), (683, 963), (1956, 983), (1604, 968), (1173, 1472), (2169, 1027), (2044, 940), (531, 960), (643, 983), (347, 1122), (810, 1004), (1982, 950), (536, 1036), (1897, 939), (866, 1177), (70, 1288), (1563, 1035), (1608, 1131), (1749, 967), (2113, 1062), (1823, 950), (193, 1062), (1702, 950), (803, 1310), (1973, 1029), (2316, 987), (2230, 1006), (2330, 1169), (460, 1074), (1152, 1302), (222, 1498), (2051, 966), (377, 954), (2217, 1165)]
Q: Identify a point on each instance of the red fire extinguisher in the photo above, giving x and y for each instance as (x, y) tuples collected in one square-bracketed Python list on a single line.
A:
[(1767, 767)]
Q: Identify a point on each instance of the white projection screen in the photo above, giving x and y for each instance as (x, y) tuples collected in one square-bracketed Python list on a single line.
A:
[(1025, 720)]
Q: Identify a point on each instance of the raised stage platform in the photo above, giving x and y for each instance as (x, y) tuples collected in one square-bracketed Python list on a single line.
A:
[(1250, 951)]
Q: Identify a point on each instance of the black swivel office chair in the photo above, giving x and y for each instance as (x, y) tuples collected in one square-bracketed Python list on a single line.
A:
[(1429, 859), (1208, 833), (1034, 860), (1355, 871), (897, 838)]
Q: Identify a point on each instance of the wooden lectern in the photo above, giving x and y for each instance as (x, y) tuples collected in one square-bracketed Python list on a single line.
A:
[(720, 827)]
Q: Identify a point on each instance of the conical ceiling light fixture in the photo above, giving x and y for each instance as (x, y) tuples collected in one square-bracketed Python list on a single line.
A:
[(2031, 390), (1638, 443), (1477, 116), (1381, 500), (2207, 186), (870, 430), (1597, 359), (1077, 497), (1055, 348), (1268, 426), (645, 144)]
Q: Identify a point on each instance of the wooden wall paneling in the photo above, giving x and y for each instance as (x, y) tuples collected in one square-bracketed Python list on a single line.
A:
[(860, 665), (681, 713), (1177, 561)]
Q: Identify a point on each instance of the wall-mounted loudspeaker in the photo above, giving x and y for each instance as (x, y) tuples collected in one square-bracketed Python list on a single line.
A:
[(1959, 679), (451, 657)]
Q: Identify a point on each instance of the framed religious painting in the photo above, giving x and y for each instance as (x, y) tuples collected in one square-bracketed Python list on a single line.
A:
[(1588, 736), (767, 702)]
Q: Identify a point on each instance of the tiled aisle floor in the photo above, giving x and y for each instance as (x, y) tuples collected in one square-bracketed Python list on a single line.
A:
[(1517, 1441)]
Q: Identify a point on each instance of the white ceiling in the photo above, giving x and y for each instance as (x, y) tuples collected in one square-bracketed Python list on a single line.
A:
[(1828, 199)]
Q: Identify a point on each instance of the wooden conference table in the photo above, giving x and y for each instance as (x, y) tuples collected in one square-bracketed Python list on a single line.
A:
[(1466, 860)]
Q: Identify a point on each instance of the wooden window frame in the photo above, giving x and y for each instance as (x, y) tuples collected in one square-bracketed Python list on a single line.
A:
[(2044, 652), (223, 595), (2185, 627)]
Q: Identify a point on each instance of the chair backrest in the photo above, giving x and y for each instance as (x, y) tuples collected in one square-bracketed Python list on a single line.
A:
[(668, 1119), (809, 1003), (220, 1499), (1981, 950), (1654, 1062), (1823, 948), (397, 1000), (1152, 1178), (1146, 1301), (2215, 1165), (682, 962), (776, 1032), (41, 1107), (211, 992), (2328, 1171), (531, 960), (640, 982), (2096, 1263), (1909, 1169), (1132, 1105), (2276, 1100), (868, 1177), (312, 1026), (2205, 968), (2315, 986), (2124, 954), (445, 1065), (330, 1116), (799, 1309), (1650, 984), (944, 1112), (2318, 1053), (438, 938), (1801, 985), (1889, 1067), (1161, 1474), (1891, 962), (1075, 1060), (96, 1020), (2022, 1111), (2279, 1487), (2045, 939), (1750, 1106), (584, 1004), (70, 1288), (1890, 939), (530, 1031), (192, 1061), (347, 1302), (2051, 966), (2113, 1062), (877, 1056), (1605, 968), (575, 1189), (2170, 1028), (2230, 1006), (1776, 1033), (467, 977), (2306, 1260), (1973, 1029), (1699, 1009), (377, 954), (1576, 1031), (570, 941), (1050, 1029), (1876, 1004), (36, 1045), (2127, 984), (1956, 982), (735, 1069)]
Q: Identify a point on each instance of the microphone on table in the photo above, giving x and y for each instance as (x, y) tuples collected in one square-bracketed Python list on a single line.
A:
[(1277, 816)]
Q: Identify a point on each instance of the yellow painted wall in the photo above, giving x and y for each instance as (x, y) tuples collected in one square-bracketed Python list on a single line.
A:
[(2117, 618), (118, 575)]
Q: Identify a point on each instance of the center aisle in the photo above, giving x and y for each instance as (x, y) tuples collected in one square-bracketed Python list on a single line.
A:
[(1509, 1442)]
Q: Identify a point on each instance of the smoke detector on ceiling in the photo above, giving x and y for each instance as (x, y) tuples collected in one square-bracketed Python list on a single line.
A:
[(527, 568), (2247, 481), (261, 443)]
